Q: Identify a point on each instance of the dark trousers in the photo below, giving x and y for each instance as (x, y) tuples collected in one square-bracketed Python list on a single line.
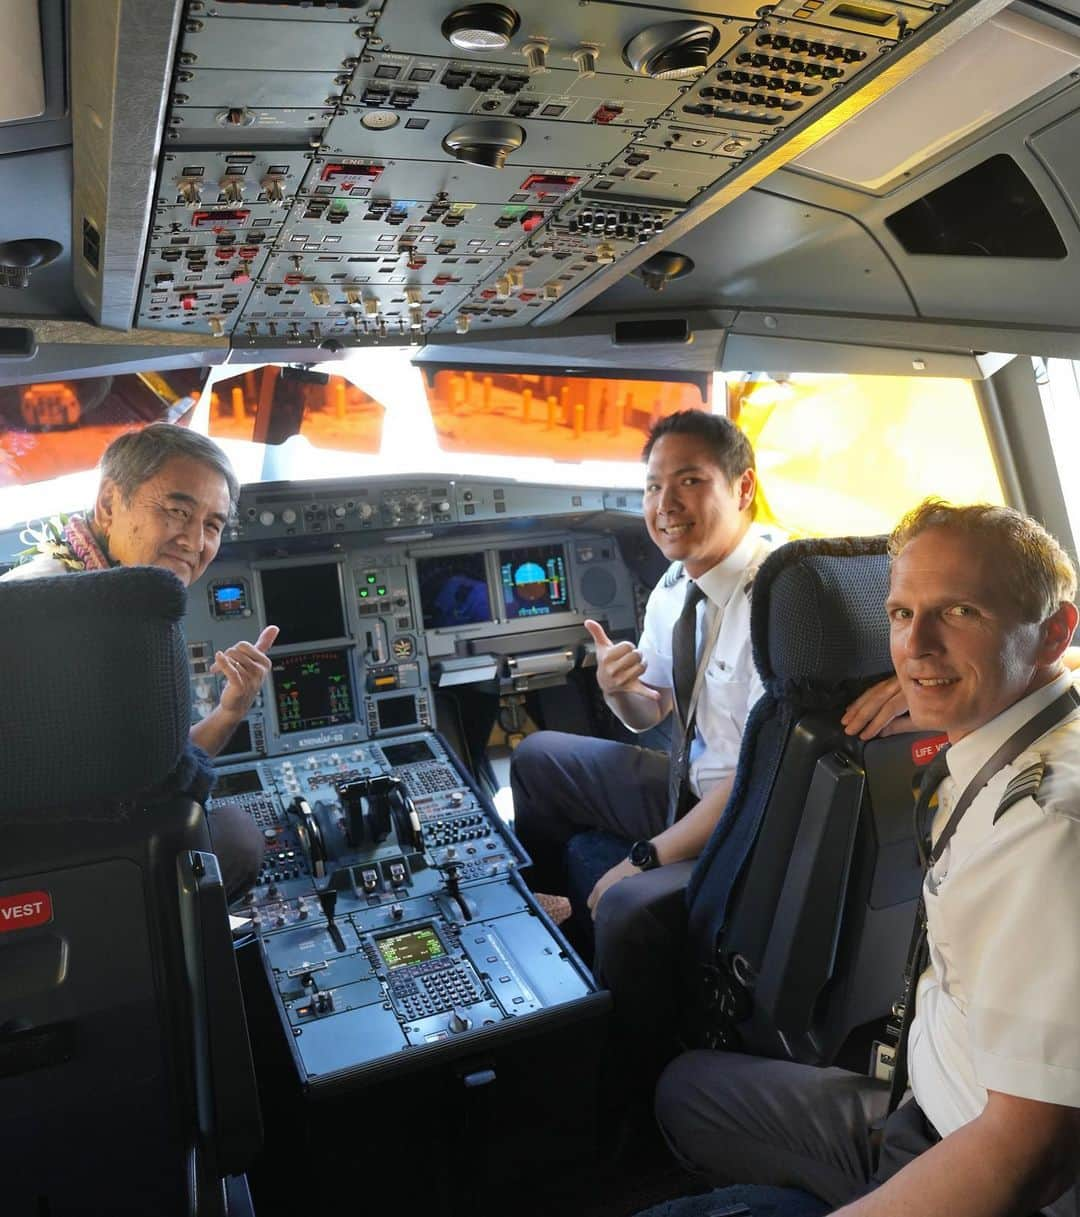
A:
[(567, 784), (746, 1119)]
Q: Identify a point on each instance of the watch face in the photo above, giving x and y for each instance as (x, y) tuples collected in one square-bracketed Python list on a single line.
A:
[(643, 855)]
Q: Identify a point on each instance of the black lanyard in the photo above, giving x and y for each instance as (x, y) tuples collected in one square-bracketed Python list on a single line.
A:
[(919, 952)]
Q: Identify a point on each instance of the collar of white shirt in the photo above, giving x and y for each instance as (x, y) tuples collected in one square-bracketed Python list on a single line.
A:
[(720, 581), (966, 757)]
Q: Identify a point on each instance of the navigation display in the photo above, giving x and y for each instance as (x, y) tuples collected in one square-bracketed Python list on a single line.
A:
[(312, 690), (420, 945), (304, 602), (534, 581), (453, 590)]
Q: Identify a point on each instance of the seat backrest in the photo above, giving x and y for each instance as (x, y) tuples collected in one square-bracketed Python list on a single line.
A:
[(114, 937), (802, 903)]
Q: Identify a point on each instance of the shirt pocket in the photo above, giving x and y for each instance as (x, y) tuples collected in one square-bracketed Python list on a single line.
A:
[(723, 671)]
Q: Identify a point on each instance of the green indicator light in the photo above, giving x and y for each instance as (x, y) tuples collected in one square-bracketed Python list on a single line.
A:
[(371, 578), (364, 593), (381, 591)]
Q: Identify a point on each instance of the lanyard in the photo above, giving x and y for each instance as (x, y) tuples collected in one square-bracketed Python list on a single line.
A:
[(1047, 718)]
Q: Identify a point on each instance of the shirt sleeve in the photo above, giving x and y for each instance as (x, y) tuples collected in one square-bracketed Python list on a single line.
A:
[(1014, 934)]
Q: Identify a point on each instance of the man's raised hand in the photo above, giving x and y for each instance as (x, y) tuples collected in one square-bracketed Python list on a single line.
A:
[(619, 666), (245, 666)]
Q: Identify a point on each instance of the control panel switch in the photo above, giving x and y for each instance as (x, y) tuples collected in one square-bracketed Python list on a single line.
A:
[(459, 1021)]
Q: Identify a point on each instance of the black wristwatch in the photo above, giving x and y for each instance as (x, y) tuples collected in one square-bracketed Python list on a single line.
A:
[(643, 855)]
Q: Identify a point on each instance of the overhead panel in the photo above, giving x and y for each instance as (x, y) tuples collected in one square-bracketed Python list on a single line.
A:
[(388, 170)]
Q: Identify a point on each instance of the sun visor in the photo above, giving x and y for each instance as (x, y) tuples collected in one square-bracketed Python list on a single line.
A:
[(537, 414)]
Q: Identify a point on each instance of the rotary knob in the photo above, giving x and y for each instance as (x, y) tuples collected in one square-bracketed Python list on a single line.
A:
[(266, 518), (288, 516)]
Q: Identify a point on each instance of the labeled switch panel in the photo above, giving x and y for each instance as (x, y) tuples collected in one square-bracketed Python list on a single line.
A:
[(380, 171)]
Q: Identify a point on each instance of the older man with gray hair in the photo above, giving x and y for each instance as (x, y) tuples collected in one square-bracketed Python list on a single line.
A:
[(164, 499)]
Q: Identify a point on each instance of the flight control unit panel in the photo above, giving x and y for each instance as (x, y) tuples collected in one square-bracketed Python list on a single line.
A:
[(392, 919)]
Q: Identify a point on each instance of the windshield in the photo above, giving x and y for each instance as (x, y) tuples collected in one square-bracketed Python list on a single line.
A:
[(836, 454)]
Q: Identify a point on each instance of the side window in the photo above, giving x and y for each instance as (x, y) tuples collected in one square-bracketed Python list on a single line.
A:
[(848, 455), (1059, 387)]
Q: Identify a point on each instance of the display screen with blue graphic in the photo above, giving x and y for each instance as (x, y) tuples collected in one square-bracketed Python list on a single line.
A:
[(229, 599), (534, 581), (453, 590)]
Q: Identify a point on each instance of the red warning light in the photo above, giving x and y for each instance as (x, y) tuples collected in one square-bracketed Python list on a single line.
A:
[(220, 221), (350, 173), (532, 220)]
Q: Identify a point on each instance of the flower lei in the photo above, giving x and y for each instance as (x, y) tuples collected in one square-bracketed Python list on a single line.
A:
[(67, 539)]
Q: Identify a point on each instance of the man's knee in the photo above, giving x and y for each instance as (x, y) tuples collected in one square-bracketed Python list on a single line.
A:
[(691, 1106), (671, 1102), (532, 758), (622, 913)]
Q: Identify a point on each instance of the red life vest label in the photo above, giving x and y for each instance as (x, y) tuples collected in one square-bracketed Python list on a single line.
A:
[(25, 910), (923, 751)]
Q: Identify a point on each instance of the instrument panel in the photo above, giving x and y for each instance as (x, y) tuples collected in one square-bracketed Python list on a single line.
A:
[(348, 174), (390, 914), (389, 911), (386, 592)]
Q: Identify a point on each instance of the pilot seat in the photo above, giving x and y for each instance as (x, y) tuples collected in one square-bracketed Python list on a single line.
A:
[(801, 906), (126, 1082)]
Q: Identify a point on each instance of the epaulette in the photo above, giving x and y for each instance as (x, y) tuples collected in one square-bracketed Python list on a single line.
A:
[(1026, 782), (675, 572)]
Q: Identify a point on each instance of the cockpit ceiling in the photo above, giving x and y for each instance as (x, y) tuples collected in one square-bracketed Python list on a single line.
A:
[(349, 174)]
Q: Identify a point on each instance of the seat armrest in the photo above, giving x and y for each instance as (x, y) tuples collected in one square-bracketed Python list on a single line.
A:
[(228, 1100)]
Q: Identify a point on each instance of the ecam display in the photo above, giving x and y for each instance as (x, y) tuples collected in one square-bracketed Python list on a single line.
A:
[(312, 690)]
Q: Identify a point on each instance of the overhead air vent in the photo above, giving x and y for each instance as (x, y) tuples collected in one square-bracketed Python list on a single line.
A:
[(19, 258), (481, 27), (661, 268), (991, 211), (484, 142), (672, 50)]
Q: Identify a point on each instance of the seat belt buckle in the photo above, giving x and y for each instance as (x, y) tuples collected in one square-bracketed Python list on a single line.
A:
[(882, 1061)]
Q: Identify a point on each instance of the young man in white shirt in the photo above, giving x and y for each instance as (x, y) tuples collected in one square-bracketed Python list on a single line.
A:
[(700, 484), (981, 613)]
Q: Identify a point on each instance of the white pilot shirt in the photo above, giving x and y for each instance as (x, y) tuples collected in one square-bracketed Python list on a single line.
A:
[(731, 684), (999, 1006)]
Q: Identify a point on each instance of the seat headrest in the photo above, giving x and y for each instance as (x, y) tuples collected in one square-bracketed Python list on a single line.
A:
[(818, 612), (96, 702)]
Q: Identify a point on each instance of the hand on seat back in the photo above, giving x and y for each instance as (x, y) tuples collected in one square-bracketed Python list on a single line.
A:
[(879, 710)]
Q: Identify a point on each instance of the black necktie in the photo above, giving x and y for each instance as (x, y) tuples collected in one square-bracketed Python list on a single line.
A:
[(919, 951), (684, 665), (936, 773)]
